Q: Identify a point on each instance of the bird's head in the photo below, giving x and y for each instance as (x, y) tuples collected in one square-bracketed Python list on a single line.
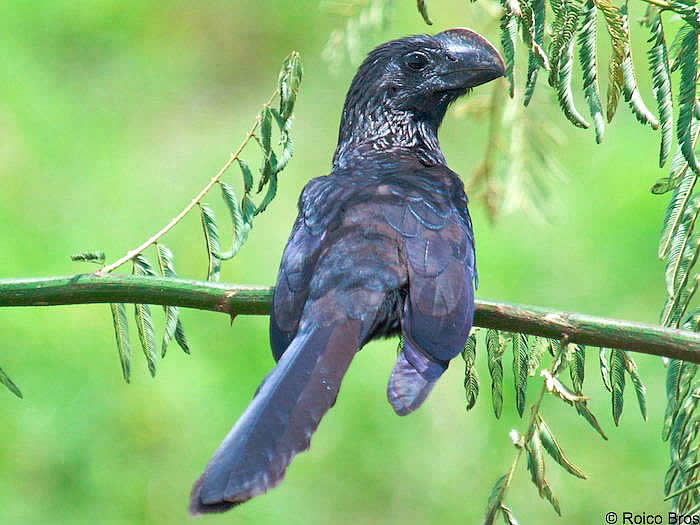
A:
[(407, 84)]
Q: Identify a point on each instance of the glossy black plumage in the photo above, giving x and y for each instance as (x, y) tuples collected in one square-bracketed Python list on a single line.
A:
[(383, 245)]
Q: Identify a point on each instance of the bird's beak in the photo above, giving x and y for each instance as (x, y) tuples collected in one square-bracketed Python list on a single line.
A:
[(473, 59)]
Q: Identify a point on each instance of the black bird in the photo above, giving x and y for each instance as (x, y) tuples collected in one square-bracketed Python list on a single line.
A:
[(381, 246)]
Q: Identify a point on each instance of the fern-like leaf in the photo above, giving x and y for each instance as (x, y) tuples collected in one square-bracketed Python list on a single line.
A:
[(121, 334), (629, 88), (677, 205), (639, 387), (471, 378), (537, 7), (495, 350), (688, 57), (564, 94), (520, 375), (661, 82), (211, 237), (144, 318), (509, 31), (240, 227), (495, 500), (617, 381), (620, 41), (166, 265), (587, 39), (577, 367), (552, 447)]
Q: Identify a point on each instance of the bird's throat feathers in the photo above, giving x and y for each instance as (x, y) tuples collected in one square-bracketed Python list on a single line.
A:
[(370, 125), (386, 112)]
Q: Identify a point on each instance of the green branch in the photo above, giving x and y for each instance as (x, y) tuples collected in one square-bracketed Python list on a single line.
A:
[(249, 300)]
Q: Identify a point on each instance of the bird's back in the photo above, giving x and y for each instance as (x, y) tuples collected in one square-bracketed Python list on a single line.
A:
[(361, 229)]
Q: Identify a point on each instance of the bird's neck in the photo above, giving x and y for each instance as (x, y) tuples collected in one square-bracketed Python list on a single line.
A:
[(372, 126)]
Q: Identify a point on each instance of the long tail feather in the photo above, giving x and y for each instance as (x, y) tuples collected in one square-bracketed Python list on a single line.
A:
[(280, 420)]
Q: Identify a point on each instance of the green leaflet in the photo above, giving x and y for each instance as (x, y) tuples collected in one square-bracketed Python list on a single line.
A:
[(509, 31), (683, 251), (285, 140), (577, 368), (266, 130), (561, 34), (629, 88), (683, 490), (675, 306), (240, 227), (289, 82), (587, 38), (550, 444), (620, 41), (211, 237), (121, 333), (270, 194), (248, 209), (423, 10), (495, 350), (520, 360), (688, 60), (683, 429), (471, 378), (247, 175), (661, 81), (584, 411), (639, 387), (269, 168), (538, 347), (537, 8), (617, 381), (144, 318), (679, 378), (144, 324), (180, 337), (495, 500), (535, 464), (564, 94), (530, 34), (676, 206), (97, 257), (9, 384), (166, 265)]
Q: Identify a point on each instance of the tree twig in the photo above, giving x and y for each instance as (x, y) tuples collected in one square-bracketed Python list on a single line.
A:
[(156, 236), (250, 300)]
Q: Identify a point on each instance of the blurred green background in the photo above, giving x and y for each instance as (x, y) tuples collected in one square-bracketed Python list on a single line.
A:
[(113, 114)]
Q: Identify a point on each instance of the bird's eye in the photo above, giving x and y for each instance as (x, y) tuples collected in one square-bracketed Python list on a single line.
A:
[(417, 61)]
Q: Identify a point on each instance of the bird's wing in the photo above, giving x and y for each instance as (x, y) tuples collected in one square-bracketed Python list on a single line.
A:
[(299, 260), (352, 274), (438, 312)]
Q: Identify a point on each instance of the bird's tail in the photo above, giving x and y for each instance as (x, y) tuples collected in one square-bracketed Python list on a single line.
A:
[(280, 420)]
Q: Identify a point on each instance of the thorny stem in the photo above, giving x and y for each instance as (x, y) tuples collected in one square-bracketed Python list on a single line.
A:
[(195, 201)]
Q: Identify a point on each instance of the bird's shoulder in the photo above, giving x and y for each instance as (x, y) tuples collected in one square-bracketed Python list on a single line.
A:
[(421, 196)]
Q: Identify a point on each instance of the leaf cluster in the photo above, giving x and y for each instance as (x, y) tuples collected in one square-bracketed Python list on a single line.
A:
[(538, 440), (275, 158), (679, 247)]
